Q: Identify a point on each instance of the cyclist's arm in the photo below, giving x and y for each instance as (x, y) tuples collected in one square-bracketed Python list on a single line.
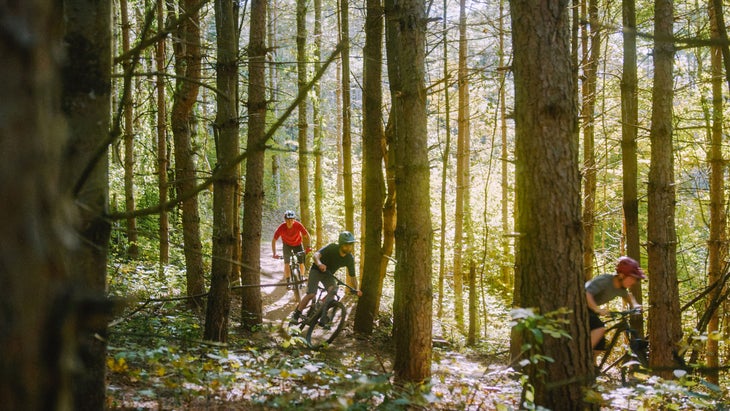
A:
[(318, 262), (631, 301), (273, 247), (593, 306)]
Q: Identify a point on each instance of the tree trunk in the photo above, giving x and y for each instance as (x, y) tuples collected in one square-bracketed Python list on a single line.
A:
[(132, 242), (591, 55), (412, 310), (507, 249), (372, 165), (86, 102), (38, 341), (162, 155), (187, 69), (665, 329), (302, 136), (251, 305), (317, 132), (718, 219), (549, 254), (224, 211), (444, 164), (629, 162)]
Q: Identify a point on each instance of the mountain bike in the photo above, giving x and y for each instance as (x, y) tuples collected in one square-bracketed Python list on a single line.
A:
[(630, 355), (322, 330), (295, 282)]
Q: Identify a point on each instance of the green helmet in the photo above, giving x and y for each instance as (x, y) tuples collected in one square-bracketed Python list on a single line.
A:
[(346, 237)]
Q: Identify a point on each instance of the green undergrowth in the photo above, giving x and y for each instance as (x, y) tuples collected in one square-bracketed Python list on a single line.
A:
[(157, 361)]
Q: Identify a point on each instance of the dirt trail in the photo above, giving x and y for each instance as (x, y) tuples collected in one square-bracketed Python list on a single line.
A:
[(278, 302)]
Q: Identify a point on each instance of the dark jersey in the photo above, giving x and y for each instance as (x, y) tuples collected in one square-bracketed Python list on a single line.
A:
[(330, 256)]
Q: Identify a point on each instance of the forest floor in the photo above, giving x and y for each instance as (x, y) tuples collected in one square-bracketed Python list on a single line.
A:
[(157, 361), (149, 369)]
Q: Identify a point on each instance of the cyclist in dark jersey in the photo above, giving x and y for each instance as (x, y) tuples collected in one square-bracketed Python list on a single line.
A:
[(606, 287), (327, 261)]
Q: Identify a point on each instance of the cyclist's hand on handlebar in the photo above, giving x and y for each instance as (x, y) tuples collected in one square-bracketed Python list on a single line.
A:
[(602, 311), (359, 293), (308, 250), (277, 257)]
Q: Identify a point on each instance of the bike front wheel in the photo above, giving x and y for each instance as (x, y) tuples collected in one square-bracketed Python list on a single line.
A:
[(295, 281), (319, 335)]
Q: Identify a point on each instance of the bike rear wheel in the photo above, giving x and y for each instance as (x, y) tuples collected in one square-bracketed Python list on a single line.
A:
[(318, 335)]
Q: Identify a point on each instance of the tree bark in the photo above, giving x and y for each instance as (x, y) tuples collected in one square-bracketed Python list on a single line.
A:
[(665, 329), (86, 102), (129, 204), (302, 111), (549, 249), (253, 198), (629, 162), (225, 213), (187, 69), (372, 165), (38, 341), (412, 310), (162, 154), (591, 55)]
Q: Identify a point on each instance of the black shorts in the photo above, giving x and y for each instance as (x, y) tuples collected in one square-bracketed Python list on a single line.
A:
[(288, 249), (316, 276), (594, 320)]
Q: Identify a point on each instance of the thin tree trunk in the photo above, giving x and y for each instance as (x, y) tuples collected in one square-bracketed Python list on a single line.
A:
[(591, 54), (346, 119), (412, 306), (86, 104), (162, 155), (507, 250), (317, 132), (187, 69), (665, 329), (372, 166), (444, 163), (129, 204), (224, 210), (302, 125), (629, 162)]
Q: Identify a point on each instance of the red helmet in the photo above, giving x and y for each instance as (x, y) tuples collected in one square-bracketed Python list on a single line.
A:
[(629, 266)]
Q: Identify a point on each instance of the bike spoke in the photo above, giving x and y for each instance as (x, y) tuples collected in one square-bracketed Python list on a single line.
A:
[(319, 335)]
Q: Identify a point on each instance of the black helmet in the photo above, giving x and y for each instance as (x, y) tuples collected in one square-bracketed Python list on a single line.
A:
[(289, 214), (346, 237)]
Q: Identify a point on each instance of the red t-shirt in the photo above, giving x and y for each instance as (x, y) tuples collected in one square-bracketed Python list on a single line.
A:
[(291, 236)]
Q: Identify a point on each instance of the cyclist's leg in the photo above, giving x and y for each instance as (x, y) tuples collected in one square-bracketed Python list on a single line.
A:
[(286, 251), (598, 329), (331, 287), (312, 285)]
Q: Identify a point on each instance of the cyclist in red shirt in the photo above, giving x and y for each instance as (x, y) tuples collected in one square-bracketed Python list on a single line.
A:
[(292, 234)]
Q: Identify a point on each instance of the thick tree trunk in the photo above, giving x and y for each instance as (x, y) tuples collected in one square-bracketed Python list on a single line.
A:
[(665, 329), (373, 181), (86, 102), (253, 198), (718, 219), (225, 213), (187, 68), (549, 253), (38, 341), (412, 309)]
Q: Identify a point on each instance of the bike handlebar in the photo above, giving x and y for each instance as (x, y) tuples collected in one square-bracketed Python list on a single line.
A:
[(626, 313)]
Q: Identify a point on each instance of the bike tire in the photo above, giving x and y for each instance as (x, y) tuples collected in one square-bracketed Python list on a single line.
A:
[(296, 278), (317, 335)]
